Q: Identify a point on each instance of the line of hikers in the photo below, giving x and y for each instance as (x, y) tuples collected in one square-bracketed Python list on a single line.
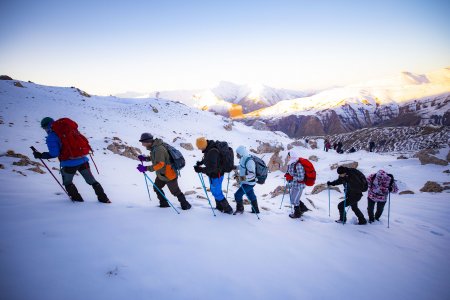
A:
[(338, 147), (71, 147)]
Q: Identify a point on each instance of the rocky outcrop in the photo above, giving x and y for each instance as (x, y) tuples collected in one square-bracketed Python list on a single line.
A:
[(18, 84), (276, 163), (268, 148), (279, 190), (120, 148), (348, 164), (318, 188), (432, 187), (407, 192), (5, 77), (426, 157), (295, 144), (313, 158), (187, 146)]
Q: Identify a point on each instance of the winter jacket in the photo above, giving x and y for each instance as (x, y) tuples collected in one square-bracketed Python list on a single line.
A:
[(379, 184), (247, 166), (298, 175), (351, 181), (211, 160), (161, 162), (54, 150)]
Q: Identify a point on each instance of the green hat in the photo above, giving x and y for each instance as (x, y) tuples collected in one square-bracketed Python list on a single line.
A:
[(46, 121)]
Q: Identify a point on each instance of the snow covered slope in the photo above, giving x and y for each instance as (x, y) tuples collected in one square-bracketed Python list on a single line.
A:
[(52, 248)]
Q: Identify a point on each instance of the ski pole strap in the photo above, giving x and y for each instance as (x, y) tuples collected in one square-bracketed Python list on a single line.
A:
[(162, 194)]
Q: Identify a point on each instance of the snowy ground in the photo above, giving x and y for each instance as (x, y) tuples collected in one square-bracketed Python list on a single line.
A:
[(52, 248)]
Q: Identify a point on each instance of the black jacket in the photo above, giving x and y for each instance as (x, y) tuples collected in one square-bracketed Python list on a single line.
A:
[(211, 160), (352, 181)]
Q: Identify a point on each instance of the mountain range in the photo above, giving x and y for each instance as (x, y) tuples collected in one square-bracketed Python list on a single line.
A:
[(406, 99)]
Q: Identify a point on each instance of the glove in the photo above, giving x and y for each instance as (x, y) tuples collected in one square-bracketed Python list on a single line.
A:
[(328, 183), (37, 154), (141, 168), (198, 164), (142, 157), (288, 177), (235, 167), (197, 169), (390, 189)]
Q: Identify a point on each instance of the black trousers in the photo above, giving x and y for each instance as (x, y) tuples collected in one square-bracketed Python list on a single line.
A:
[(352, 201), (371, 206), (173, 188)]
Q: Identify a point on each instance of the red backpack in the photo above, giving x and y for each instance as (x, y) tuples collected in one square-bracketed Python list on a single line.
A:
[(310, 172), (73, 143)]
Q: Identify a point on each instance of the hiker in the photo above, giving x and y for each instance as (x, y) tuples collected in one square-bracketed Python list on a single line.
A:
[(339, 148), (247, 180), (165, 174), (212, 168), (371, 146), (295, 176), (327, 145), (354, 185), (63, 147), (380, 185)]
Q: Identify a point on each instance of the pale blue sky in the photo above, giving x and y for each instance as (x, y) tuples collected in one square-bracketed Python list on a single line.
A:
[(108, 47)]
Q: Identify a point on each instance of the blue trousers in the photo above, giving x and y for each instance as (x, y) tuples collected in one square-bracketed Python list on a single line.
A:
[(215, 185), (248, 190)]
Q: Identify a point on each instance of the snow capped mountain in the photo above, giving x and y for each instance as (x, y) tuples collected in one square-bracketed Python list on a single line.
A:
[(228, 96), (406, 99)]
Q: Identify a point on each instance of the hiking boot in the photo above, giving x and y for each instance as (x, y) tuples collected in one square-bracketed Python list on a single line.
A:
[(362, 222), (255, 208), (184, 204), (297, 213), (239, 207), (218, 206), (371, 220), (303, 207), (101, 196), (73, 193), (164, 204), (340, 221), (226, 208)]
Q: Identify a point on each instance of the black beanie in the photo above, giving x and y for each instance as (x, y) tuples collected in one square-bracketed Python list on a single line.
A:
[(342, 170)]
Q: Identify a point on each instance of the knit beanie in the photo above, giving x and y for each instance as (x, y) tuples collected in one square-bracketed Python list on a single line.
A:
[(342, 170), (201, 143), (46, 121), (146, 137)]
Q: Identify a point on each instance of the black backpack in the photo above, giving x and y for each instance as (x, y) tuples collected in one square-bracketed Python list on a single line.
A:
[(226, 157), (362, 179)]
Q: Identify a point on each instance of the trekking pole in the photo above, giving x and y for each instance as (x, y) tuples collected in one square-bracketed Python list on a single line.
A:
[(345, 202), (242, 187), (94, 163), (328, 201), (389, 207), (162, 194), (285, 187), (34, 150), (202, 181), (146, 184), (228, 184)]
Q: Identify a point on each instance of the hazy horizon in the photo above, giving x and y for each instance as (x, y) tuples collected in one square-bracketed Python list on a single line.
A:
[(143, 46)]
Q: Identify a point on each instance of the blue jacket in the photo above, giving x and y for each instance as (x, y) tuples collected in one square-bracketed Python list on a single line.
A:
[(54, 149)]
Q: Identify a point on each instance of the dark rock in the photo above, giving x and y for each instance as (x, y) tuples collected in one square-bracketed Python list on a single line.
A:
[(432, 187)]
